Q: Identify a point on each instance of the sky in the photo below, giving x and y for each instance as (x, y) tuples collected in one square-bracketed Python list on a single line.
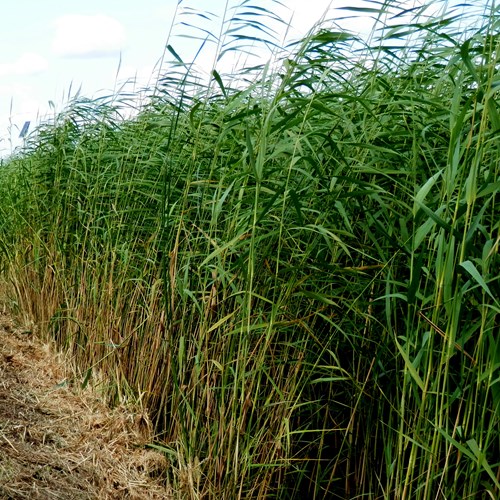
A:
[(51, 49)]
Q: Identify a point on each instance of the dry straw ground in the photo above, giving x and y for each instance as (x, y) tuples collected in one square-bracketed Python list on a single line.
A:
[(58, 442)]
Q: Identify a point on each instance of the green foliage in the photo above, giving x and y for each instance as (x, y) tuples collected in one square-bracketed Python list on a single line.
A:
[(297, 276)]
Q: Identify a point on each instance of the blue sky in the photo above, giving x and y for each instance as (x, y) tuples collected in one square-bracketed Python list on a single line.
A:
[(49, 47)]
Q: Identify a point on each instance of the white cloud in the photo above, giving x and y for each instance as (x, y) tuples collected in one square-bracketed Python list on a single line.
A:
[(88, 36), (27, 64), (18, 104), (362, 22), (308, 14)]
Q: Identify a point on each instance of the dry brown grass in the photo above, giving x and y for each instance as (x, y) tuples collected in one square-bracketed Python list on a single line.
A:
[(60, 442)]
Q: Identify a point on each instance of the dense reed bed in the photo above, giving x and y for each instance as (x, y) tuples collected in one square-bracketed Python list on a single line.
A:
[(297, 275)]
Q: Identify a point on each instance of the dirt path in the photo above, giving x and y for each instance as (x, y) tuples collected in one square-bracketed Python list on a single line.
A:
[(58, 443)]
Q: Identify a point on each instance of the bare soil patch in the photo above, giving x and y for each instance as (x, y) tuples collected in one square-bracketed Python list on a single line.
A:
[(60, 442)]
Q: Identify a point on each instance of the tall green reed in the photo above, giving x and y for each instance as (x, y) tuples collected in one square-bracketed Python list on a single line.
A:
[(298, 277)]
